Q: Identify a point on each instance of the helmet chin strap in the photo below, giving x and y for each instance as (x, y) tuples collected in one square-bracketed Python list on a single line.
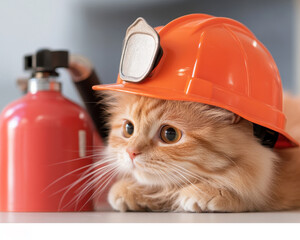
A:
[(267, 136)]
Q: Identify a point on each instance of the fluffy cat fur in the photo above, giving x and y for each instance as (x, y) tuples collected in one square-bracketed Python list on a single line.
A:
[(216, 166)]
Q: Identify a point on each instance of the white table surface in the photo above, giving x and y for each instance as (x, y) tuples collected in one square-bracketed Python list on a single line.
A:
[(150, 217)]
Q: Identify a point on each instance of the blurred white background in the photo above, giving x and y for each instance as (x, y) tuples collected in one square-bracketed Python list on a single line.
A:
[(95, 28)]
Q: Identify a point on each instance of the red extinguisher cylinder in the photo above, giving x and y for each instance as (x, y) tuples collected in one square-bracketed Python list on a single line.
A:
[(46, 144)]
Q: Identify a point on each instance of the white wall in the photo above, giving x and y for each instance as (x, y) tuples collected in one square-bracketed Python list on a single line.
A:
[(296, 59)]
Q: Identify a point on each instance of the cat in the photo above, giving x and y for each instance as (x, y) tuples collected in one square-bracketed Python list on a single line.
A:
[(193, 157)]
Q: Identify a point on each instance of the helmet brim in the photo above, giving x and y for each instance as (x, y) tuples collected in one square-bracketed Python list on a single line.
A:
[(284, 139)]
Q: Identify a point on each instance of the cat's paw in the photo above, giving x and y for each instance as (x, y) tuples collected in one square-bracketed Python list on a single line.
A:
[(226, 201), (122, 197), (188, 204), (201, 198)]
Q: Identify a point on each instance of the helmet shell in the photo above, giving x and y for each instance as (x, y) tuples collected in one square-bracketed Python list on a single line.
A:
[(216, 61)]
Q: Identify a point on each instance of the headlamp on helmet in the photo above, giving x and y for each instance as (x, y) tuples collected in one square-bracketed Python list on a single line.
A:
[(141, 49)]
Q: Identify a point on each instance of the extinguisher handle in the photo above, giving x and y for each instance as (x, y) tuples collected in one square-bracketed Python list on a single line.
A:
[(84, 77)]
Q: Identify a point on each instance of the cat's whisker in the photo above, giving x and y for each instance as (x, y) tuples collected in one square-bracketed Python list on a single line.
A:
[(89, 166), (78, 159), (171, 182), (97, 170), (184, 178), (164, 174), (167, 165), (102, 186), (66, 175), (97, 177), (164, 177), (81, 178), (191, 174), (109, 177), (187, 181), (89, 149), (232, 161), (161, 175), (151, 168), (88, 187), (172, 178)]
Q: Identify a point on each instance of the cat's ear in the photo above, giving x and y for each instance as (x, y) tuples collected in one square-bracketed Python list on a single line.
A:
[(227, 116), (235, 118), (231, 118), (220, 114)]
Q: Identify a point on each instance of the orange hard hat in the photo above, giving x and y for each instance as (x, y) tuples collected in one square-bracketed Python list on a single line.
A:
[(206, 59)]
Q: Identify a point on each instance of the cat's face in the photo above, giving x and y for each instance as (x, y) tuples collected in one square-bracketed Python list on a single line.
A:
[(163, 142)]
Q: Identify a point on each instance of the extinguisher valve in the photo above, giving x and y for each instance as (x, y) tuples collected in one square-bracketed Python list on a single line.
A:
[(46, 61)]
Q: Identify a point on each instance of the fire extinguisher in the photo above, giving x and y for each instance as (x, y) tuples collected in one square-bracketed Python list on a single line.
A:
[(45, 144)]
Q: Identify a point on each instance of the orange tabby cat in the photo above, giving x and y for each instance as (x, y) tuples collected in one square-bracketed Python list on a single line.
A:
[(187, 156)]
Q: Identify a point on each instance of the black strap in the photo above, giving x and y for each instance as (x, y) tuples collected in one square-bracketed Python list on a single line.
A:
[(267, 136), (93, 103)]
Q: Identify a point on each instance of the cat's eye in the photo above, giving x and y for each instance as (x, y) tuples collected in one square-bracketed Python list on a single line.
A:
[(170, 134), (128, 128)]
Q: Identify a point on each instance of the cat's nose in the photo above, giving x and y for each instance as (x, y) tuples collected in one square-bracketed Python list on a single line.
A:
[(132, 153)]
